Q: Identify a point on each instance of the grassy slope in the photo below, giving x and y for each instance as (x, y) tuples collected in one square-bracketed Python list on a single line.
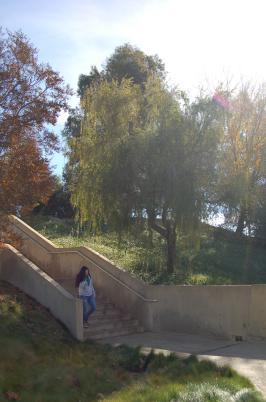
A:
[(40, 362), (211, 262)]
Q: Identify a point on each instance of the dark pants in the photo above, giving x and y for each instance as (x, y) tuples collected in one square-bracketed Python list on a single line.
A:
[(89, 306)]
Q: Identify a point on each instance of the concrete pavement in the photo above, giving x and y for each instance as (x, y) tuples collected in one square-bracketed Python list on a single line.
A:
[(248, 358)]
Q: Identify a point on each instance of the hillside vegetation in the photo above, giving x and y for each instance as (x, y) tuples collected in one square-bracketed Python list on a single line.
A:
[(205, 260)]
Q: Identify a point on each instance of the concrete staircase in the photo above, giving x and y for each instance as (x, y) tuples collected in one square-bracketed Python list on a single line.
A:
[(107, 321)]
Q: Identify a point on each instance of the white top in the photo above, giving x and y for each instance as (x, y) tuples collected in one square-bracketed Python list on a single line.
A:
[(86, 287)]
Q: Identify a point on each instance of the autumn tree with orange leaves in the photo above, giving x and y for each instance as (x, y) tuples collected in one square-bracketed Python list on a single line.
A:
[(32, 95)]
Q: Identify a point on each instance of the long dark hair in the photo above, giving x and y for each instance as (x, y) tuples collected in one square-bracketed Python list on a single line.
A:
[(81, 275)]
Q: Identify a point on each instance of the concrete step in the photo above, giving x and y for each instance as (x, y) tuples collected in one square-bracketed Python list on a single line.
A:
[(105, 304), (105, 309), (109, 314), (123, 330), (108, 320), (107, 325)]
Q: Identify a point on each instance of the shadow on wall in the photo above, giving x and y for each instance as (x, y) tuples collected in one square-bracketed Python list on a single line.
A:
[(22, 273)]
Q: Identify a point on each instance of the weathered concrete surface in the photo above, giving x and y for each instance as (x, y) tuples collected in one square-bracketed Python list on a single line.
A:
[(209, 309), (22, 273), (248, 357)]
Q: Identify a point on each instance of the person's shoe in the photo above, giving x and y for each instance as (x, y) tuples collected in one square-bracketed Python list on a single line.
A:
[(86, 324)]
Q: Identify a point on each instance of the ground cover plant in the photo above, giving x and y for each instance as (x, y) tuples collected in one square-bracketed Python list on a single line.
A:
[(206, 261), (41, 362)]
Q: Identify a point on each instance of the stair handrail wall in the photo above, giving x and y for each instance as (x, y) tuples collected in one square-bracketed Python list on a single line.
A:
[(18, 270), (127, 293)]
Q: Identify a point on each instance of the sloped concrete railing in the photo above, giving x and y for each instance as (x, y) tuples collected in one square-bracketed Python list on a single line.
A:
[(124, 291), (229, 311), (22, 273)]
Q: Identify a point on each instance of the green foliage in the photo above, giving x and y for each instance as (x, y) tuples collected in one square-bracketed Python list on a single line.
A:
[(212, 392), (170, 379), (71, 133), (86, 81), (212, 261), (174, 368), (242, 167), (131, 359), (130, 62), (259, 213), (103, 135), (142, 149), (127, 62), (51, 227), (57, 205)]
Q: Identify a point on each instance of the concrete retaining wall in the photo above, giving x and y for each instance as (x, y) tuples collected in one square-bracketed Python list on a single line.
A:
[(22, 273), (227, 311), (124, 291), (218, 310)]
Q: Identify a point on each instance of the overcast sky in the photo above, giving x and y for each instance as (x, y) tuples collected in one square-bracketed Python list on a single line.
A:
[(199, 41)]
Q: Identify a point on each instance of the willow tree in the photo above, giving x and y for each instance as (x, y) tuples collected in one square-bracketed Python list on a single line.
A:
[(242, 167), (179, 163), (142, 152), (127, 62), (110, 124)]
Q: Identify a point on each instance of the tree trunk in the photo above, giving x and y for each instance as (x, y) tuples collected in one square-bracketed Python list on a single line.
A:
[(171, 250), (241, 222), (168, 232), (150, 236)]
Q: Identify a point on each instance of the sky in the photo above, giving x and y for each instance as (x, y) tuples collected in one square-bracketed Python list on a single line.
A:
[(200, 41)]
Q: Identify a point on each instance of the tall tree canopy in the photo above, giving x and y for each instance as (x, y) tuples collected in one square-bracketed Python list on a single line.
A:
[(127, 61), (130, 62), (242, 166), (142, 152), (32, 95)]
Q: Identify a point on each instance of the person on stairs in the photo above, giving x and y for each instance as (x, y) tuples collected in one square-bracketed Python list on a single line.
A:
[(86, 293)]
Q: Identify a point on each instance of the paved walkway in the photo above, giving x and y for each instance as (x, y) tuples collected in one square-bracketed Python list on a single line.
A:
[(247, 357)]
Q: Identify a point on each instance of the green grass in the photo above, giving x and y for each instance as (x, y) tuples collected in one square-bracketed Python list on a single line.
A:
[(204, 261), (41, 362)]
